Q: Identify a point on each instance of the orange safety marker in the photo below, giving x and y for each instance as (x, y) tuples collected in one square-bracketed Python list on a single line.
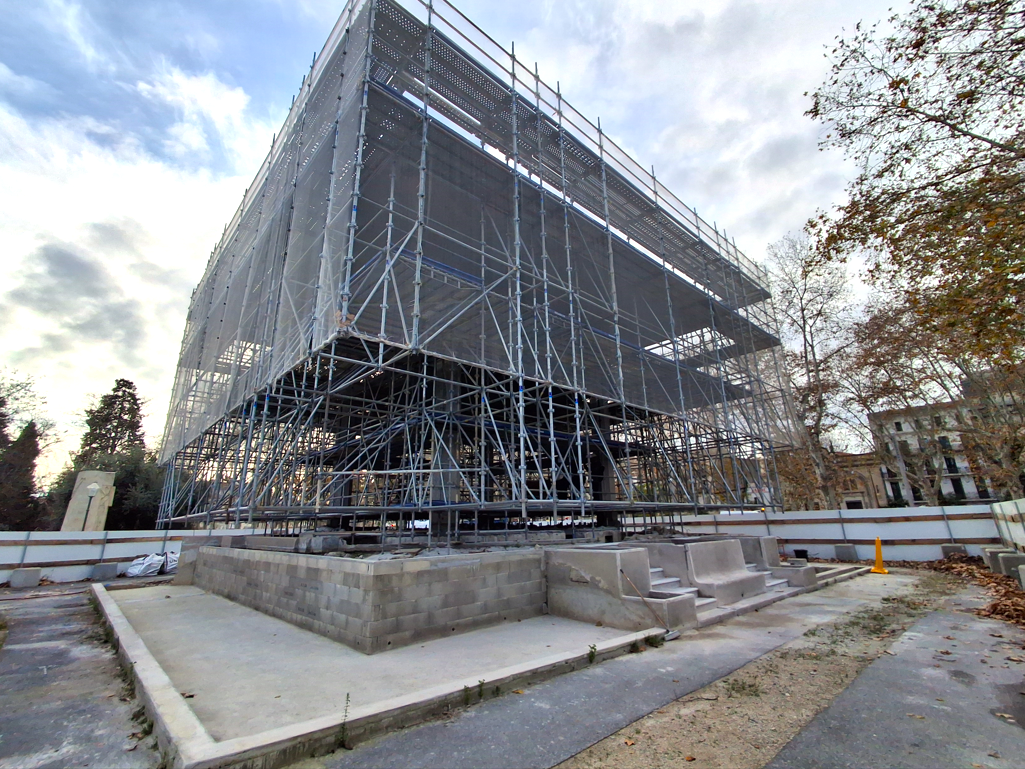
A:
[(879, 568)]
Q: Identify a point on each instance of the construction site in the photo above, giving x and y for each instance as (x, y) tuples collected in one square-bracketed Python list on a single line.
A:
[(450, 307)]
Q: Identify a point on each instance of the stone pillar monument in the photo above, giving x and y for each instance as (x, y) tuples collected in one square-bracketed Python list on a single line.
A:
[(95, 506)]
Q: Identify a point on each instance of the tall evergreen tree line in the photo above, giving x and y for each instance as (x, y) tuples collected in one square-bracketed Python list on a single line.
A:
[(113, 442)]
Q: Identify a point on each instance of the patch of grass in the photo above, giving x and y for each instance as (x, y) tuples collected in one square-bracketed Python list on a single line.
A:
[(592, 652), (655, 641), (738, 687)]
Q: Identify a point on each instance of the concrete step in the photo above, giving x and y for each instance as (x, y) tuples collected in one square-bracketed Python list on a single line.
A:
[(771, 583), (705, 604), (664, 582), (745, 605), (657, 573), (672, 592), (840, 574)]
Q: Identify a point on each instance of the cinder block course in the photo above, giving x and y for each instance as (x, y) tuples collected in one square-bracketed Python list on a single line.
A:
[(846, 552), (1008, 563), (26, 577)]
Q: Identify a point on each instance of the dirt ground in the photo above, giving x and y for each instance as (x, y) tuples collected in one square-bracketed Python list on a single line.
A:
[(744, 719)]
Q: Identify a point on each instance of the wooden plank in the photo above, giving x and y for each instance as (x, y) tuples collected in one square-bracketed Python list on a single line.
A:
[(62, 542), (895, 542), (54, 564), (847, 521)]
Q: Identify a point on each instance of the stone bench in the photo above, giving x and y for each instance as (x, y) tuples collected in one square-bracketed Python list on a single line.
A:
[(718, 570)]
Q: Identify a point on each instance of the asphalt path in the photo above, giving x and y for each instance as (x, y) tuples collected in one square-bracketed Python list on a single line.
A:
[(952, 694), (61, 695)]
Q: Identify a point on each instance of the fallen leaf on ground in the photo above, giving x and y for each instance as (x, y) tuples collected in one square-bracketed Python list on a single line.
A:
[(912, 715), (997, 635), (628, 742), (945, 651), (690, 758), (517, 691), (187, 695), (948, 638), (1015, 659), (994, 754)]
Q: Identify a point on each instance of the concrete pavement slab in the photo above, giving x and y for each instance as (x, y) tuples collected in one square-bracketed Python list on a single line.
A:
[(949, 697), (248, 673), (60, 691)]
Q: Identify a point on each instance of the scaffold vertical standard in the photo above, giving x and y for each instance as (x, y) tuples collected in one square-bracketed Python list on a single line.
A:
[(448, 303)]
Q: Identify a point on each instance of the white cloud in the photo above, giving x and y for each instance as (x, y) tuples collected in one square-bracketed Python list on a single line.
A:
[(80, 198), (207, 108), (13, 84)]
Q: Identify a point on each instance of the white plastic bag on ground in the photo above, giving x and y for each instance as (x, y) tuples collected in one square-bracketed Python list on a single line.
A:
[(170, 562), (146, 566)]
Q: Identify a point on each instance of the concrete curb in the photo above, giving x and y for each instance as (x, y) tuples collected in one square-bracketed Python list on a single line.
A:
[(180, 735), (187, 744)]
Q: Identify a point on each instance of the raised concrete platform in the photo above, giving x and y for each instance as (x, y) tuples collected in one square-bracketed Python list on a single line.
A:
[(264, 692)]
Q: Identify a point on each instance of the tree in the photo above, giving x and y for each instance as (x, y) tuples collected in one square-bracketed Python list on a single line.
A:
[(20, 507), (933, 113), (812, 299), (114, 442), (900, 361), (114, 423), (138, 481)]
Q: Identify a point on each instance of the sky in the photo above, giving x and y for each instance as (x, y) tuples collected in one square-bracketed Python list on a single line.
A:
[(130, 130)]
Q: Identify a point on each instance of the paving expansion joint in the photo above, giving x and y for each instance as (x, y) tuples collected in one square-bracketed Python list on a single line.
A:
[(188, 745)]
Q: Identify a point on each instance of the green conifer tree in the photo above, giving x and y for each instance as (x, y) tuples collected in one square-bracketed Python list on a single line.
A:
[(20, 508), (114, 423)]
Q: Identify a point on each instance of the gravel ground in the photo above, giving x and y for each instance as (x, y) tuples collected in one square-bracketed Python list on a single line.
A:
[(742, 721)]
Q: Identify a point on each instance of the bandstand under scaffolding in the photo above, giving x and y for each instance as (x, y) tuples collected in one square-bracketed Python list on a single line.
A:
[(449, 303)]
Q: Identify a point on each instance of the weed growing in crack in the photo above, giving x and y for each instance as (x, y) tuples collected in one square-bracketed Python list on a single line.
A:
[(738, 687), (343, 735), (592, 652)]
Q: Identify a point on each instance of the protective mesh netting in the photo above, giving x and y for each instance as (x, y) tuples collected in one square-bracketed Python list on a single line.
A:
[(446, 287)]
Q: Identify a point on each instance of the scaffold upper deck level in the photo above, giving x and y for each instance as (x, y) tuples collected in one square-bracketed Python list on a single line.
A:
[(448, 296)]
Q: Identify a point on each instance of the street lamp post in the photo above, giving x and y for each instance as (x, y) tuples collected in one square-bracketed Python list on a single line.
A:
[(91, 490)]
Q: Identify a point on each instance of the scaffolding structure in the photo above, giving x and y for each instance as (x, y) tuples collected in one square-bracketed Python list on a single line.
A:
[(449, 303)]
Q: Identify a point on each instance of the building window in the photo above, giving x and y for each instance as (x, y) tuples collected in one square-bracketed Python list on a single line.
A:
[(980, 484), (916, 494), (944, 442), (898, 426), (896, 492), (918, 424), (854, 504), (951, 465), (958, 488), (938, 421)]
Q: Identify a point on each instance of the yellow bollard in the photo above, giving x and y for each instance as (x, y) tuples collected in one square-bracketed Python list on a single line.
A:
[(879, 568)]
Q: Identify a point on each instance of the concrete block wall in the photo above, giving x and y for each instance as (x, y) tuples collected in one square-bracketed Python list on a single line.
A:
[(373, 606), (586, 584)]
